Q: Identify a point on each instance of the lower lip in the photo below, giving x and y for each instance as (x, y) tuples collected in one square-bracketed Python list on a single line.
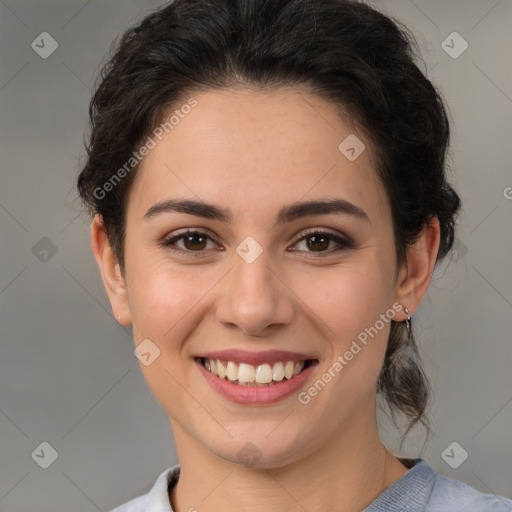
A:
[(256, 395)]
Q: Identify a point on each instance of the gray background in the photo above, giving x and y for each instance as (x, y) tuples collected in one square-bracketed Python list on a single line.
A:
[(67, 369)]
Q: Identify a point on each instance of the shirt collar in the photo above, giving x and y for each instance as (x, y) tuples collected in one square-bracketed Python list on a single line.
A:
[(158, 497), (410, 492)]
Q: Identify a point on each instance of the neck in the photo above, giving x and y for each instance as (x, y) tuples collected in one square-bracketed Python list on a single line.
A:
[(345, 474)]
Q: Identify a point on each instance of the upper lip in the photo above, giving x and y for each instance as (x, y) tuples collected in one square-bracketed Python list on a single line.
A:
[(255, 358)]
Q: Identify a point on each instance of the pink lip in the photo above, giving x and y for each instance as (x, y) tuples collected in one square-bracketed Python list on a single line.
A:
[(255, 358), (256, 395)]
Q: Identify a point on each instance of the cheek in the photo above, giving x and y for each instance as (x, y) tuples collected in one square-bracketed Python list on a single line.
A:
[(349, 298), (161, 295), (350, 302), (164, 303)]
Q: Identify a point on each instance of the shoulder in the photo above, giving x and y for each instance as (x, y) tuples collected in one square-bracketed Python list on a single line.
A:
[(423, 489), (449, 495), (157, 499)]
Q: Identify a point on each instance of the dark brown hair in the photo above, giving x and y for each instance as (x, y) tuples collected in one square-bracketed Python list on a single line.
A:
[(345, 52)]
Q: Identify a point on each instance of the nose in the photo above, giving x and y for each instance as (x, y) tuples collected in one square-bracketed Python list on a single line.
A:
[(255, 297)]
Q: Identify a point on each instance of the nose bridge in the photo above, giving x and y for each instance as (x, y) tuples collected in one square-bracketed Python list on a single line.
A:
[(253, 276), (254, 298)]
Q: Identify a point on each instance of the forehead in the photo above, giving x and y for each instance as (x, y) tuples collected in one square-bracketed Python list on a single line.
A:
[(250, 149)]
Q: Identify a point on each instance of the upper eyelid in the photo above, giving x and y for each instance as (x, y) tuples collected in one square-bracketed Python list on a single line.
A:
[(188, 231)]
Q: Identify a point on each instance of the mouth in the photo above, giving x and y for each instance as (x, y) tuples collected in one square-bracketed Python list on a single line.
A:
[(255, 378), (265, 374)]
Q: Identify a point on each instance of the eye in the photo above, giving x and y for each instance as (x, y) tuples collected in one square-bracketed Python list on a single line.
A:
[(194, 243), (319, 242)]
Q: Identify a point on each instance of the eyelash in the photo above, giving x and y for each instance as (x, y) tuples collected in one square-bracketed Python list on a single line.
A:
[(344, 243)]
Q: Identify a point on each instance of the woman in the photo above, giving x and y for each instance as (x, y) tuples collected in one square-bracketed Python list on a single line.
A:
[(269, 198)]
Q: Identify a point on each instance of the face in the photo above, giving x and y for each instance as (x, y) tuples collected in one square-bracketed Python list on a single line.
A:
[(268, 282)]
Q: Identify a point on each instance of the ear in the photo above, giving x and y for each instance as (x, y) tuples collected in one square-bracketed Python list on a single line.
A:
[(415, 275), (113, 280)]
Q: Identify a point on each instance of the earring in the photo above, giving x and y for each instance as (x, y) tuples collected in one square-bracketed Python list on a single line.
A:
[(408, 324)]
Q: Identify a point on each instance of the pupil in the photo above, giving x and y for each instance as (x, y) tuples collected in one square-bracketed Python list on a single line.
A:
[(189, 238), (316, 244)]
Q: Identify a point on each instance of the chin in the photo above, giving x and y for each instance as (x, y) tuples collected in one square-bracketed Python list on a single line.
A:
[(261, 452)]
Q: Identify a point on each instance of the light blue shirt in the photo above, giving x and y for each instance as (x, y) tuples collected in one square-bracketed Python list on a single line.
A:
[(421, 489)]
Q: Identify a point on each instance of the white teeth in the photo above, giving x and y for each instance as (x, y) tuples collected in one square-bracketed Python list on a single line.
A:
[(298, 367), (278, 373), (221, 371), (289, 369), (263, 374), (246, 374), (232, 371)]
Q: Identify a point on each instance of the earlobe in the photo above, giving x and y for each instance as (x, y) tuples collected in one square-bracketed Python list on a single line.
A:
[(416, 274), (111, 275)]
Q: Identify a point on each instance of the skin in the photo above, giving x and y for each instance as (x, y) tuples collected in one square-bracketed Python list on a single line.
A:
[(255, 152)]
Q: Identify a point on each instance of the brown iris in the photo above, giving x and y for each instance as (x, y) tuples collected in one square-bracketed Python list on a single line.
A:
[(188, 239), (318, 242)]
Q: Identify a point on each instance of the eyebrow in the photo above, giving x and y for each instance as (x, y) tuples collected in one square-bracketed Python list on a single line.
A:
[(287, 213)]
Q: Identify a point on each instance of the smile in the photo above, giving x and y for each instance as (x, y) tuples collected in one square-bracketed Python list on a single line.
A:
[(262, 375), (255, 379)]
